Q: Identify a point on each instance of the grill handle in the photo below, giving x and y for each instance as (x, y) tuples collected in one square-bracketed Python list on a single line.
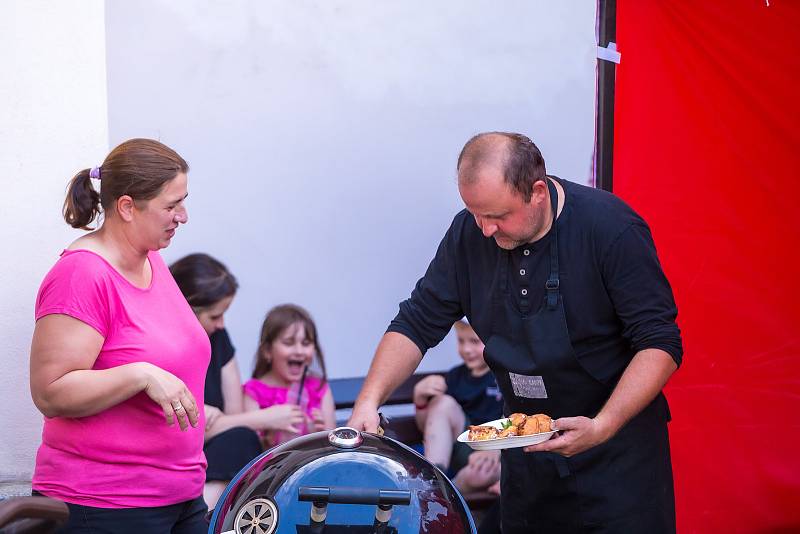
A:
[(349, 495)]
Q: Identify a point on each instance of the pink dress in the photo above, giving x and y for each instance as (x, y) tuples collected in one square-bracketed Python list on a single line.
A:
[(266, 396), (125, 456)]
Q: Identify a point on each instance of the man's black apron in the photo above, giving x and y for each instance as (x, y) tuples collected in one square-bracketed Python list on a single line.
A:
[(623, 485)]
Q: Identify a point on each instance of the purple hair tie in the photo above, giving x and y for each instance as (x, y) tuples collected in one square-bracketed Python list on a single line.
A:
[(95, 173)]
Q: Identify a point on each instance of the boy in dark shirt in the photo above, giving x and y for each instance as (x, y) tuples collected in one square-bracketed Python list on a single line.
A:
[(445, 405)]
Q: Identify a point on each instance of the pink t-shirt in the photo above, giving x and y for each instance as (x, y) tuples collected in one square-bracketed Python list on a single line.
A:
[(125, 456), (266, 396)]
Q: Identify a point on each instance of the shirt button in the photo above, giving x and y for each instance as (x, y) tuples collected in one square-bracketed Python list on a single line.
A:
[(522, 272), (524, 292), (526, 252)]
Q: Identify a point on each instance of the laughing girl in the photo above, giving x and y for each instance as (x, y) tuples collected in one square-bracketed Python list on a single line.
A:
[(288, 349)]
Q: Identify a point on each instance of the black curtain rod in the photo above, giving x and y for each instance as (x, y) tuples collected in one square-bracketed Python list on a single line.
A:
[(606, 74)]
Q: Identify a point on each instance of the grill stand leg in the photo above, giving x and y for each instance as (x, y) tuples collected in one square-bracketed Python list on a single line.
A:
[(383, 513), (319, 512)]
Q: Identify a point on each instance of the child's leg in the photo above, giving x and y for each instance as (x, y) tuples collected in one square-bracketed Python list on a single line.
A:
[(443, 423), (480, 472), (421, 416)]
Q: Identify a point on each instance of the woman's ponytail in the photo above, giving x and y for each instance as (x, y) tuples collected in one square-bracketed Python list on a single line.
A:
[(82, 204), (138, 168)]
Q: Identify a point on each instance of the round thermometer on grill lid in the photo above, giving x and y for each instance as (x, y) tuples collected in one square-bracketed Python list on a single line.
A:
[(345, 437)]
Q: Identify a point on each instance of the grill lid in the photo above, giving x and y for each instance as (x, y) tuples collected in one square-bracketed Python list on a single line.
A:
[(341, 481)]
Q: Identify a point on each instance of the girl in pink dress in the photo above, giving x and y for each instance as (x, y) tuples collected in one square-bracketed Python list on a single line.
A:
[(287, 348)]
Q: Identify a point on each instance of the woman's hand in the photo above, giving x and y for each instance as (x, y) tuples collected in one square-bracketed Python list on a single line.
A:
[(286, 417), (430, 386), (212, 414), (169, 392)]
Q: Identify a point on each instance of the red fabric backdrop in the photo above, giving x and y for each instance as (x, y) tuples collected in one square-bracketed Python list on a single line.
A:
[(706, 148)]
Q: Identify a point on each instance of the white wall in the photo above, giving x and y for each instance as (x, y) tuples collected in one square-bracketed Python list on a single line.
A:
[(323, 136), (53, 122)]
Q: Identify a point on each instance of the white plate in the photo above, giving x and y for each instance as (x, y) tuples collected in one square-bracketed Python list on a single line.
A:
[(504, 443)]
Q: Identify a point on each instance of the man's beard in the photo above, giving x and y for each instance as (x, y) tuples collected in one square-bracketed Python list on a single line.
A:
[(534, 223), (508, 244)]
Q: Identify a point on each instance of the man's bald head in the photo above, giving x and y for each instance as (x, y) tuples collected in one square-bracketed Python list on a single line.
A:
[(512, 154)]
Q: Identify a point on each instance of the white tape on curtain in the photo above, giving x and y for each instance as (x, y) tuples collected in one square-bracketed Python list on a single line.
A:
[(609, 53)]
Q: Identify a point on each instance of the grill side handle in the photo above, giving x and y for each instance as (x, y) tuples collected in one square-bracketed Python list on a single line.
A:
[(350, 495)]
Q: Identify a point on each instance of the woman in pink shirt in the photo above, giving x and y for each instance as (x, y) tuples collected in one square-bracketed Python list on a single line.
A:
[(118, 358)]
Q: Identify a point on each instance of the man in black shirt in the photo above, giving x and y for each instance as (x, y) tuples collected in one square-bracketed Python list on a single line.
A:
[(563, 284)]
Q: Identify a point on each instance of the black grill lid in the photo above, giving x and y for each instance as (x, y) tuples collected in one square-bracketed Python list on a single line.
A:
[(351, 481)]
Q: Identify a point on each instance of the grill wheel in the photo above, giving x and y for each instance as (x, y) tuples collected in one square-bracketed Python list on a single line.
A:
[(258, 516)]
